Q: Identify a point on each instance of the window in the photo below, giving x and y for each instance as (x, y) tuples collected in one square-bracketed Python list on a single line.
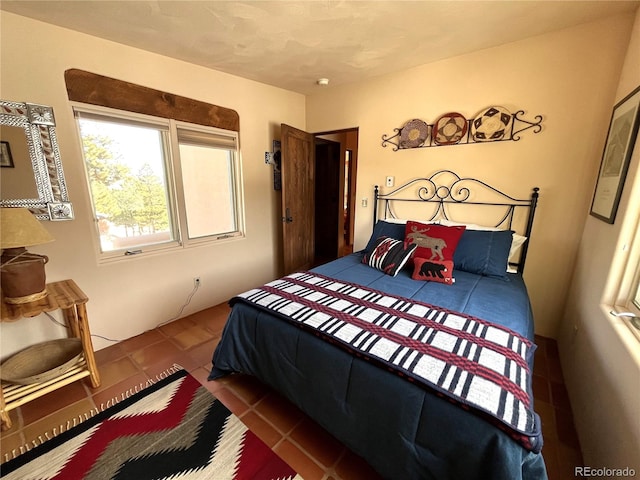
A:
[(203, 152), (156, 183), (627, 303), (632, 302)]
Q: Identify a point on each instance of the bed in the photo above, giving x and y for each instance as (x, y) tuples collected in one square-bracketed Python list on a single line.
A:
[(388, 385)]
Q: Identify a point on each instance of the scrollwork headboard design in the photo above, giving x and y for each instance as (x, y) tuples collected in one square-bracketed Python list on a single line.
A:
[(445, 189)]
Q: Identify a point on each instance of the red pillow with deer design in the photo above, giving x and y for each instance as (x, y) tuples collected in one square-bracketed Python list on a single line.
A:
[(435, 242)]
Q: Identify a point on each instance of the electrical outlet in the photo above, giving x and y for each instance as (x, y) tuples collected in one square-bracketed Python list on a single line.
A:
[(389, 181), (196, 282)]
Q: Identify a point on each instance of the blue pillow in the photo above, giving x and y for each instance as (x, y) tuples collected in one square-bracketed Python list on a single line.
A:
[(484, 252), (385, 229)]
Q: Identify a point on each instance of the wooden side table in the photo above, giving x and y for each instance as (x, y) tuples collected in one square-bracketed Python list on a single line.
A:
[(66, 296)]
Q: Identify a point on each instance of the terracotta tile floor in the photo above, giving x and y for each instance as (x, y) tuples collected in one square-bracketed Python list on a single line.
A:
[(190, 342)]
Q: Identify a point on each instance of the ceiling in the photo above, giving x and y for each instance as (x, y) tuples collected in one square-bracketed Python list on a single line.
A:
[(291, 44)]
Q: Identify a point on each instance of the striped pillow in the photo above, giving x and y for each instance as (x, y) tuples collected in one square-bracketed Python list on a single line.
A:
[(389, 255)]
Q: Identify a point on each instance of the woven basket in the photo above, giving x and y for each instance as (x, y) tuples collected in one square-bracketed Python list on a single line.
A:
[(41, 362)]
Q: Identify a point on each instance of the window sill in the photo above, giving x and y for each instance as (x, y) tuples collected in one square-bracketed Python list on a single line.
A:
[(629, 335), (121, 256), (114, 258)]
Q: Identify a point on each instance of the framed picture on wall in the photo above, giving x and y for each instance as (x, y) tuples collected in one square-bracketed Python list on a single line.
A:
[(6, 160), (623, 131)]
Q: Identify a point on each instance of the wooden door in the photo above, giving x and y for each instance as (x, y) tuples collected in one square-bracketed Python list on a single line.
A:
[(298, 198)]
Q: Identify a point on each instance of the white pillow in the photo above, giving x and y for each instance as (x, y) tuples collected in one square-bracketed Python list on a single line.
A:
[(394, 220), (516, 243), (404, 221)]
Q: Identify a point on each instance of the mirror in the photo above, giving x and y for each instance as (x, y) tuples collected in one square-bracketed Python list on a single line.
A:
[(16, 180), (31, 173)]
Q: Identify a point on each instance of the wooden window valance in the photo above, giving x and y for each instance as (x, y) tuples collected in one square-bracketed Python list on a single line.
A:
[(87, 87)]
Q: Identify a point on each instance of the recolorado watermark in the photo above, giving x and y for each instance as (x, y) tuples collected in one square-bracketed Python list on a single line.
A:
[(586, 471)]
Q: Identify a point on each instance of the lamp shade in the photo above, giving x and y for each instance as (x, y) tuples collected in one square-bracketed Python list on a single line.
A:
[(19, 228)]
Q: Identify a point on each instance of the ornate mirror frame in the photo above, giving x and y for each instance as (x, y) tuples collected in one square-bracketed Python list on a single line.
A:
[(39, 123)]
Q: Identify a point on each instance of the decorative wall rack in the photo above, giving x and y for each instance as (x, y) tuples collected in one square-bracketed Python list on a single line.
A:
[(495, 124)]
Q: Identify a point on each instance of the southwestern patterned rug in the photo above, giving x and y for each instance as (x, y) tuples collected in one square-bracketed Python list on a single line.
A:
[(172, 429)]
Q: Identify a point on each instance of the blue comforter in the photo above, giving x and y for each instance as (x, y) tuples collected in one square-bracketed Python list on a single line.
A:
[(402, 430)]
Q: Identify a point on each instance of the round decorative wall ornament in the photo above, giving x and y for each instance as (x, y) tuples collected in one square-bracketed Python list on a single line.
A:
[(450, 128), (414, 133), (491, 124)]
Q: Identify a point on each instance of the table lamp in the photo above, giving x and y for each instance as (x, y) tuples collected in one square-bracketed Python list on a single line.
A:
[(22, 273)]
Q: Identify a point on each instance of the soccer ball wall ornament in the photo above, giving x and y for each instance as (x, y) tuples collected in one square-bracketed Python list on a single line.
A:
[(491, 125)]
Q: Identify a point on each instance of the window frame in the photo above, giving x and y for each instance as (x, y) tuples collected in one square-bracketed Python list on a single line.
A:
[(174, 183), (624, 306), (628, 280), (236, 181)]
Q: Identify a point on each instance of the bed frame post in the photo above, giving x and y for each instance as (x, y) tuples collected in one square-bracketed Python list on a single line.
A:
[(375, 205), (532, 211)]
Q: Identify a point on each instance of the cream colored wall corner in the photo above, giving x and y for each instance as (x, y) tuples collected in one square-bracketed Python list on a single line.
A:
[(569, 77), (600, 358), (127, 298)]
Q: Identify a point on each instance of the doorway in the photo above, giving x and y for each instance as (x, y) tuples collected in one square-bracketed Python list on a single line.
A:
[(335, 180)]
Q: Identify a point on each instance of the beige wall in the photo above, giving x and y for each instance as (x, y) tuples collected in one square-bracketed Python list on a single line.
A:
[(129, 297), (600, 357), (569, 77)]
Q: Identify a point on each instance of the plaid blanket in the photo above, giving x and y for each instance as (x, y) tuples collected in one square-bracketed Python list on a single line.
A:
[(470, 361)]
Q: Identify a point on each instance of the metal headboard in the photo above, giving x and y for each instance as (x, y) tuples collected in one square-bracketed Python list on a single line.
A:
[(445, 188)]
